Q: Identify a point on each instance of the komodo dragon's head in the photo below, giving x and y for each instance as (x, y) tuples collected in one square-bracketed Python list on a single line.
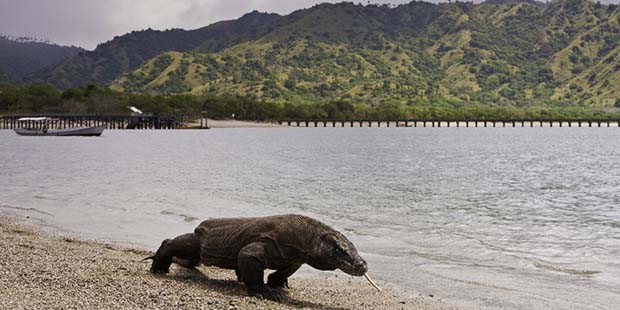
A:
[(335, 251)]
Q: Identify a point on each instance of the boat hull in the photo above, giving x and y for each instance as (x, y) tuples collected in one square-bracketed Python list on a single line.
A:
[(67, 132)]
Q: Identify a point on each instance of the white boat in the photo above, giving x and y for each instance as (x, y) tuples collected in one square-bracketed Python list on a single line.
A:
[(74, 131)]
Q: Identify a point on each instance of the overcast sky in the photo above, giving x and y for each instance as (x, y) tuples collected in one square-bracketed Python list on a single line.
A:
[(86, 23)]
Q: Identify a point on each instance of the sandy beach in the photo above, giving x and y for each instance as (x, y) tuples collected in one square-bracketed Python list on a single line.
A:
[(44, 271), (239, 124), (231, 123)]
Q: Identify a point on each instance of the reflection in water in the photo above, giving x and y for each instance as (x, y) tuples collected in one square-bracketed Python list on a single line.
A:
[(499, 218)]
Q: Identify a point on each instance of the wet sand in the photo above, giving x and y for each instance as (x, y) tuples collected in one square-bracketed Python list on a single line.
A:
[(43, 271)]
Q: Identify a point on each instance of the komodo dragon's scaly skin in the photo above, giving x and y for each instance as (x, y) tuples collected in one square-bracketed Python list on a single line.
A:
[(251, 245)]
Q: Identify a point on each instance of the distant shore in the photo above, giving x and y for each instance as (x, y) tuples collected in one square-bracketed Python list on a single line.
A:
[(212, 123), (231, 123), (41, 271)]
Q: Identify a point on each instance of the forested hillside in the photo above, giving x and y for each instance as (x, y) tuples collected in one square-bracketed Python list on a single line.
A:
[(125, 53), (520, 53), (20, 56)]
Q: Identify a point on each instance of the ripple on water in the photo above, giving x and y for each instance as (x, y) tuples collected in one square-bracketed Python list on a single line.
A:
[(575, 272)]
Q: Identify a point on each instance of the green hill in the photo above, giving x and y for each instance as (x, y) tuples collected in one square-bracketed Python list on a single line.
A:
[(519, 53), (125, 53)]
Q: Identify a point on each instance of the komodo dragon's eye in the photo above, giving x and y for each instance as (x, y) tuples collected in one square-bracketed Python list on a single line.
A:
[(340, 251)]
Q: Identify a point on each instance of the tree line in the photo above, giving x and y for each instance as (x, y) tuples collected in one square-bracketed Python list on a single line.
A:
[(94, 99)]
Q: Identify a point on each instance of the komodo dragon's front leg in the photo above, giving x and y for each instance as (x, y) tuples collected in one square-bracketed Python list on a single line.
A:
[(279, 279), (252, 261)]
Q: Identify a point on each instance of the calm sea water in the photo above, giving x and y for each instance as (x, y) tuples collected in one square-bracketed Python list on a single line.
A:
[(515, 218)]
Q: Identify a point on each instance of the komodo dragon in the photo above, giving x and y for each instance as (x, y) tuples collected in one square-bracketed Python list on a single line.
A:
[(250, 245)]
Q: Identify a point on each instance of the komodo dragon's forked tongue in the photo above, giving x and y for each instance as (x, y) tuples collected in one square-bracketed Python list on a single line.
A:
[(372, 282)]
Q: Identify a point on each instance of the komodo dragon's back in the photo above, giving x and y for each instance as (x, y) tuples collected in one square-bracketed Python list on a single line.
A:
[(225, 237)]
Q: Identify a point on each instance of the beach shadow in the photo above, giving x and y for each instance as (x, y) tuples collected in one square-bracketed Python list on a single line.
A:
[(232, 287)]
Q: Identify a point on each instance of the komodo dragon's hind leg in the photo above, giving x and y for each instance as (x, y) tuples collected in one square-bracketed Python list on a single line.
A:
[(252, 261), (189, 264), (183, 250)]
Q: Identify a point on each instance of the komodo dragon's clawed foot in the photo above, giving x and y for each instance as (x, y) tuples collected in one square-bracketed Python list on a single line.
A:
[(276, 282), (265, 292), (238, 273), (279, 279)]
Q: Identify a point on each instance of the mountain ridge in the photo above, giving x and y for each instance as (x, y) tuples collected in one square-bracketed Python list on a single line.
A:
[(126, 52), (499, 52)]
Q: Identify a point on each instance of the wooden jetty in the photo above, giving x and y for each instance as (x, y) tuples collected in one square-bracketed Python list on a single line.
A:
[(452, 123), (62, 121)]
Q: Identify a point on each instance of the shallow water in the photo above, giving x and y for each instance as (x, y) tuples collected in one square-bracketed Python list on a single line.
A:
[(513, 218)]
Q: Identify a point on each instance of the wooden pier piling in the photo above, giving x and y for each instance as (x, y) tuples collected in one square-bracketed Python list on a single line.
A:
[(438, 123)]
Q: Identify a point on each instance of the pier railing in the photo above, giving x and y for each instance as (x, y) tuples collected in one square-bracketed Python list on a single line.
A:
[(451, 123), (61, 121)]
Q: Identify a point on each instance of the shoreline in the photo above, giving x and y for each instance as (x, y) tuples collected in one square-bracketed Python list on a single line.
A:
[(231, 123), (42, 270)]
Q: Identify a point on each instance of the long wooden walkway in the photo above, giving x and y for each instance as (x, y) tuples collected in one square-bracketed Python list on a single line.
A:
[(452, 123), (60, 121)]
